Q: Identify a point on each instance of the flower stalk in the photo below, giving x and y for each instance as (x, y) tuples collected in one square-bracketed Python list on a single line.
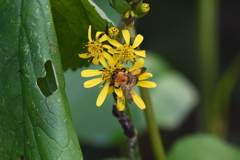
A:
[(154, 134), (208, 59), (129, 132)]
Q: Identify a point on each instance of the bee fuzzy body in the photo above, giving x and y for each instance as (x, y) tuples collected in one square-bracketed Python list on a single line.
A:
[(127, 80)]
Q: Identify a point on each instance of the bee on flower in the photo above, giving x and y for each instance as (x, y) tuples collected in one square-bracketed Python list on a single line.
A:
[(106, 80), (120, 80), (126, 80)]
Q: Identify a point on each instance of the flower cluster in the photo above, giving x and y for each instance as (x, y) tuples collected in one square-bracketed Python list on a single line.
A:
[(114, 77)]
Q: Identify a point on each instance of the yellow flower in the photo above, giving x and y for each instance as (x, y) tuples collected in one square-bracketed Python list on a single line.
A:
[(96, 52), (125, 52), (106, 80), (141, 82)]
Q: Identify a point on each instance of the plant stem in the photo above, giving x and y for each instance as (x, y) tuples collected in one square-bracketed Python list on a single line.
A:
[(133, 148), (132, 142), (120, 26), (129, 132), (208, 57), (154, 133), (222, 97)]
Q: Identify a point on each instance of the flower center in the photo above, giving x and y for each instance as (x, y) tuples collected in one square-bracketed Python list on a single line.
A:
[(108, 72), (95, 48), (126, 52)]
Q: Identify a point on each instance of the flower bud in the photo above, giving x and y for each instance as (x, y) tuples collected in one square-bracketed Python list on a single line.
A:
[(143, 10), (113, 32), (129, 18)]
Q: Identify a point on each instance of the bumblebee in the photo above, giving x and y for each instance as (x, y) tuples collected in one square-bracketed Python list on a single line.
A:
[(127, 80)]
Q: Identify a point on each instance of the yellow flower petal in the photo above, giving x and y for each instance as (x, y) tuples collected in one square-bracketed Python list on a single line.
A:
[(120, 103), (89, 33), (109, 58), (115, 57), (106, 46), (112, 51), (98, 34), (103, 61), (138, 40), (126, 36), (139, 102), (147, 84), (139, 63), (102, 96), (144, 76), (84, 55), (114, 42), (111, 89), (141, 53), (103, 38), (95, 60), (119, 92), (92, 82), (90, 73)]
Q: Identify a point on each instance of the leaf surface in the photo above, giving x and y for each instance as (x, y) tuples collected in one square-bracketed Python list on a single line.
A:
[(203, 147), (35, 120), (72, 19)]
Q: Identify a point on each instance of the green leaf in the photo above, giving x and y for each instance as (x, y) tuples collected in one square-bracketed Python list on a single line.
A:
[(203, 147), (35, 120), (120, 6), (110, 12), (173, 99), (72, 19), (116, 159)]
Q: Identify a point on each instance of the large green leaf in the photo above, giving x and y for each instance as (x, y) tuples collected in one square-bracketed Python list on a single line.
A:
[(203, 147), (173, 99), (35, 120), (72, 19)]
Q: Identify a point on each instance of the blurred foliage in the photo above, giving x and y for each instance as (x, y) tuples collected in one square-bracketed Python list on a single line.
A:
[(203, 147), (116, 159)]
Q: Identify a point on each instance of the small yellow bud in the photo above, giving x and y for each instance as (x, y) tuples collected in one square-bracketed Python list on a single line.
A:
[(128, 14), (145, 7), (129, 18), (113, 31)]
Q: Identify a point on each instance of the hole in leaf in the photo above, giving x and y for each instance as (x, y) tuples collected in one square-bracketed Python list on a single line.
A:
[(48, 83)]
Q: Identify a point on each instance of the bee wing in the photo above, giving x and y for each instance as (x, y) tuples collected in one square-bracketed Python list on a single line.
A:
[(138, 71), (127, 91)]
